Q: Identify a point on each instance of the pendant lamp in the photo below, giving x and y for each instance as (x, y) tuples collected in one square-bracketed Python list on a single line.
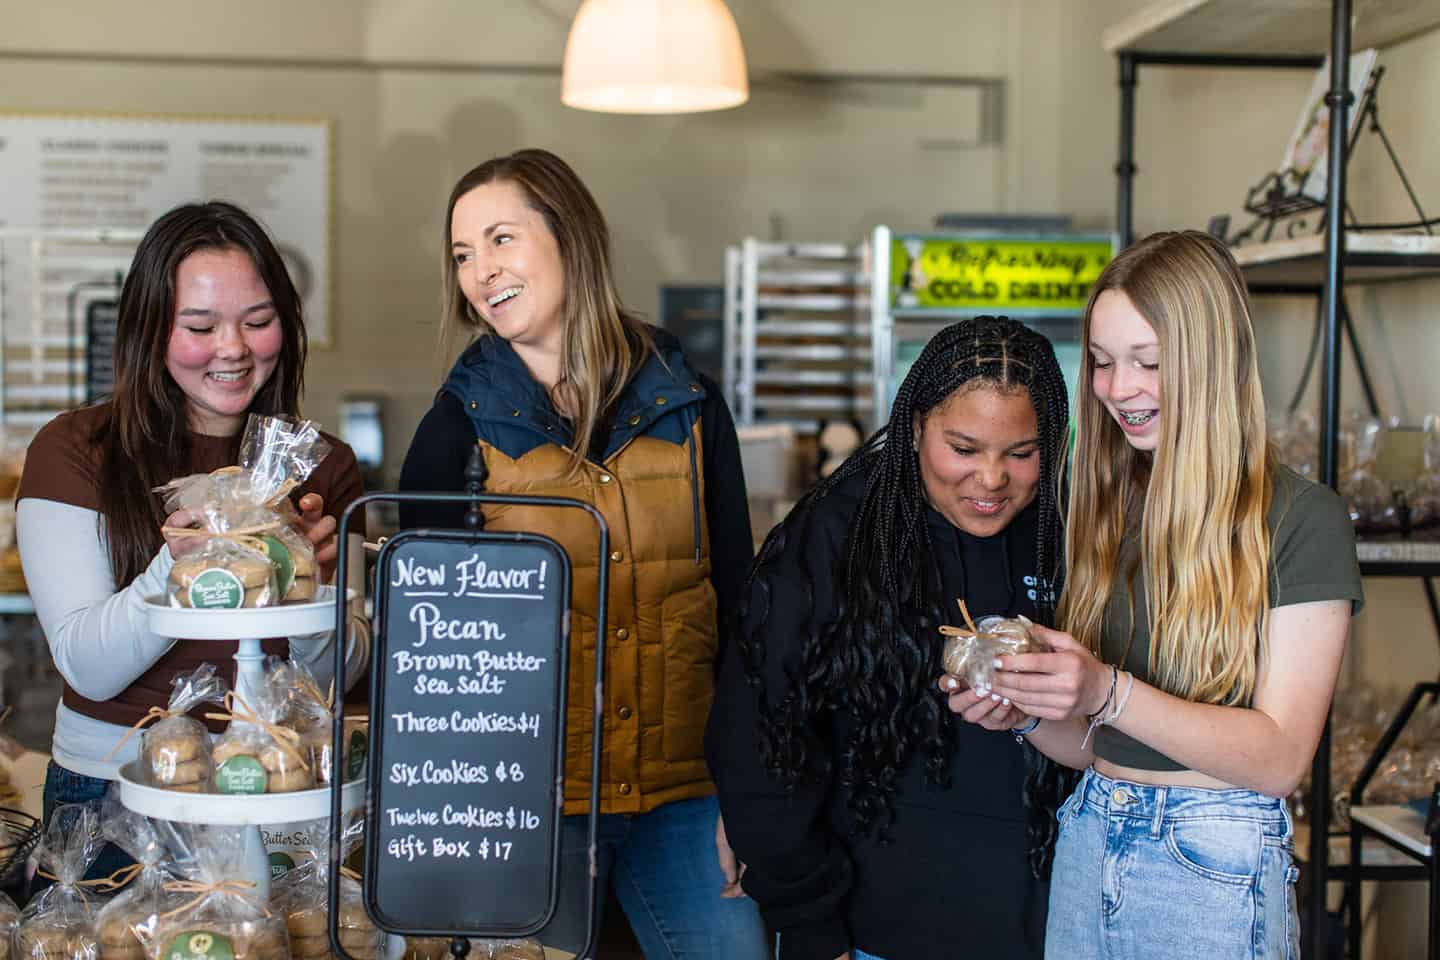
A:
[(654, 56)]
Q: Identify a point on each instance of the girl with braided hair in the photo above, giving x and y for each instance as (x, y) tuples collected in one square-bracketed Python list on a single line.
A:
[(1208, 597), (851, 794)]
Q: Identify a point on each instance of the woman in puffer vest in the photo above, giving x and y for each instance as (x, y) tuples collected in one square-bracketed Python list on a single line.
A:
[(567, 393)]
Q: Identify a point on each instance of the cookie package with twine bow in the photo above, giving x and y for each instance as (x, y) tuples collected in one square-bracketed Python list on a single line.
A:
[(303, 895), (258, 753), (970, 651), (9, 917), (60, 921), (125, 926), (252, 555), (216, 916), (175, 752), (310, 712)]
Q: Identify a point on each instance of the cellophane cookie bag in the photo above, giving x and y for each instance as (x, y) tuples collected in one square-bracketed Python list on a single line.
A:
[(303, 895), (252, 555), (9, 919), (175, 752), (970, 651), (218, 915), (311, 714), (125, 927), (258, 753), (59, 923)]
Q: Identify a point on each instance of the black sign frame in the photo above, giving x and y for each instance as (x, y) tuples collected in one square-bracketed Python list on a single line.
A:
[(460, 945), (382, 701)]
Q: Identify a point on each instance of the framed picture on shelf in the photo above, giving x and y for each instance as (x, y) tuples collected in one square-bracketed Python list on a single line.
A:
[(1304, 167)]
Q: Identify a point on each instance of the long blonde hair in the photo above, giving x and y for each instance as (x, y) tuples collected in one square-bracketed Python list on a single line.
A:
[(1201, 498), (604, 343)]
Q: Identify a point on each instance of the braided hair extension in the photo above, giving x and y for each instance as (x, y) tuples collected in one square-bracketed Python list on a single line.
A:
[(878, 657)]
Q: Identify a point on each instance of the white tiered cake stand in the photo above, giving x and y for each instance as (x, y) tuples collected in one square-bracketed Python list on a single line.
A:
[(247, 626)]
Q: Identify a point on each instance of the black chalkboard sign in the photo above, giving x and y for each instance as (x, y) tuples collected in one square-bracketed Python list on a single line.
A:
[(471, 661)]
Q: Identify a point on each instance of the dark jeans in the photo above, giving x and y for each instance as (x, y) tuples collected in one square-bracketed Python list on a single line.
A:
[(65, 786)]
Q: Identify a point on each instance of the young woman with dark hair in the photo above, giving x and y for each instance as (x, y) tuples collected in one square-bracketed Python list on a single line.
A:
[(209, 332), (871, 821), (567, 393)]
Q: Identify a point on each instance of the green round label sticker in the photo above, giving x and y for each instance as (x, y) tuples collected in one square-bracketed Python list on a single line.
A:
[(240, 775), (283, 563), (280, 864), (355, 759), (217, 589), (198, 945)]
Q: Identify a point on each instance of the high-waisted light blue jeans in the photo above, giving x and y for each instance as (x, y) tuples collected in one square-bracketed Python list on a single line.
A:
[(1150, 873)]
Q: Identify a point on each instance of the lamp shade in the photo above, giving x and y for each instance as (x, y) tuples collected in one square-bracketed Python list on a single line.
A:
[(654, 56)]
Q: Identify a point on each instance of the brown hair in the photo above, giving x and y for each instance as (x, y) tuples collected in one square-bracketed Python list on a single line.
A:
[(604, 343), (145, 439)]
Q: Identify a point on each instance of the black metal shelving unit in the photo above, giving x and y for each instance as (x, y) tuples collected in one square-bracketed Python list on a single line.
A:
[(1317, 267)]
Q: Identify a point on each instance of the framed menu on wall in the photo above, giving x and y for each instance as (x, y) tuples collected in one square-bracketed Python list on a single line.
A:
[(91, 173)]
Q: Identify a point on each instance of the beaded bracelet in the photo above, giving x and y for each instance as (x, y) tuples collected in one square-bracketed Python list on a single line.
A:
[(1098, 717)]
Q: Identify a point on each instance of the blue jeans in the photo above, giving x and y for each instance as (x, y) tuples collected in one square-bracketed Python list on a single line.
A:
[(65, 786), (667, 878), (1151, 873)]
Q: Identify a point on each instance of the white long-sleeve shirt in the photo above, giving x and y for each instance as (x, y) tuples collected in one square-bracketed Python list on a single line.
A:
[(99, 637)]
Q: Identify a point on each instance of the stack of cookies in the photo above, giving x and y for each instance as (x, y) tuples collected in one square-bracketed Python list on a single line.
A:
[(283, 769), (41, 941), (176, 756), (237, 939), (310, 936), (223, 579), (118, 940)]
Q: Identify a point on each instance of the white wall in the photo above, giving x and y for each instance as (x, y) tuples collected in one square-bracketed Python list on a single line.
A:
[(420, 91)]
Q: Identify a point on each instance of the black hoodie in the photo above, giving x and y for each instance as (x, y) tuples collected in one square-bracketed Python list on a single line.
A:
[(954, 878)]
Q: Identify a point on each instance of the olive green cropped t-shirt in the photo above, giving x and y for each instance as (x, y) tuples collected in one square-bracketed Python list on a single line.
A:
[(1312, 558)]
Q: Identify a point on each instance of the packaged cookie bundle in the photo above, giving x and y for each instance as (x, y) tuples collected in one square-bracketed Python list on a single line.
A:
[(9, 919), (310, 712), (252, 555), (217, 917), (59, 924), (303, 895), (526, 949), (125, 927), (257, 753), (970, 651), (175, 752)]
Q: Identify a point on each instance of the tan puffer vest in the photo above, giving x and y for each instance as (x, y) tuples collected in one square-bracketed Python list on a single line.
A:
[(661, 643)]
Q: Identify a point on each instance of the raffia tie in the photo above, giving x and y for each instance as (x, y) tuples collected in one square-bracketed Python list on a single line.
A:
[(352, 874), (950, 631), (100, 885), (247, 537), (243, 889), (309, 688), (154, 713), (288, 740)]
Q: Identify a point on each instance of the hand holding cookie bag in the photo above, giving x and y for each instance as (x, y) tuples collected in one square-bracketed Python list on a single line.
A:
[(251, 554)]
